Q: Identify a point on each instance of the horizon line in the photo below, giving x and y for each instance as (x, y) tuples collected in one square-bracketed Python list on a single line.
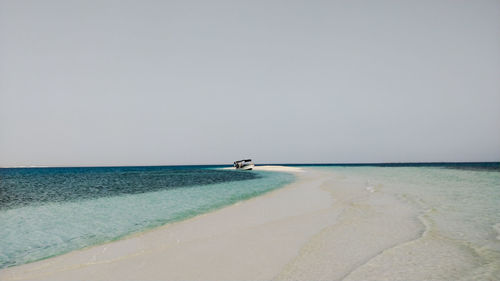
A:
[(262, 164)]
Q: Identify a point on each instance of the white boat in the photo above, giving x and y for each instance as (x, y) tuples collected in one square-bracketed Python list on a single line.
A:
[(245, 164)]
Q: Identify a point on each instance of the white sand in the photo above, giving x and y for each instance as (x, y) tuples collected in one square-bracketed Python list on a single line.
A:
[(320, 227)]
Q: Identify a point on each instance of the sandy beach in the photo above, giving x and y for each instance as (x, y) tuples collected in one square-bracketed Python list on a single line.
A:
[(311, 229), (321, 227)]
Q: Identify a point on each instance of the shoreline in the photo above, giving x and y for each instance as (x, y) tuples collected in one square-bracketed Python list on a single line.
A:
[(25, 270), (300, 231), (326, 225), (38, 231)]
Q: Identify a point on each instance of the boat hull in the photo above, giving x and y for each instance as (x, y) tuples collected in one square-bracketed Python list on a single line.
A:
[(247, 167)]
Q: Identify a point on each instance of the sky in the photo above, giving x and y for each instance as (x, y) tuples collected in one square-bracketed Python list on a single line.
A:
[(86, 83)]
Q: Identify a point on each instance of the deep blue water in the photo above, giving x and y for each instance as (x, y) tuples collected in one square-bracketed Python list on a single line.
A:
[(484, 166), (28, 186)]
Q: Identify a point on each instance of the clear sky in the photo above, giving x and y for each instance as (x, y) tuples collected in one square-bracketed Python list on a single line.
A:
[(198, 82)]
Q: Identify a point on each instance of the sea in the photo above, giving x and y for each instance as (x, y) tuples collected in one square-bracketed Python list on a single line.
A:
[(46, 212), (457, 206)]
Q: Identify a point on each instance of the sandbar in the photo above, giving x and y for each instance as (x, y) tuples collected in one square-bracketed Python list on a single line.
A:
[(318, 227)]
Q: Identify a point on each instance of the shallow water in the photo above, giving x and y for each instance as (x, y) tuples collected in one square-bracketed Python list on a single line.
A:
[(50, 211), (459, 210)]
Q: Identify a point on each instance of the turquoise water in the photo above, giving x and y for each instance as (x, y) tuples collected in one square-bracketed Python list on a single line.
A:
[(47, 212), (459, 208), (465, 204)]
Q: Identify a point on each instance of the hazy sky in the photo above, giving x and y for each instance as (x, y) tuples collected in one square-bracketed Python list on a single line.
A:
[(196, 82)]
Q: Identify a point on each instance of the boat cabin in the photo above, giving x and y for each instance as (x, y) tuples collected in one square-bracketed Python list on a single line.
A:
[(245, 164)]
